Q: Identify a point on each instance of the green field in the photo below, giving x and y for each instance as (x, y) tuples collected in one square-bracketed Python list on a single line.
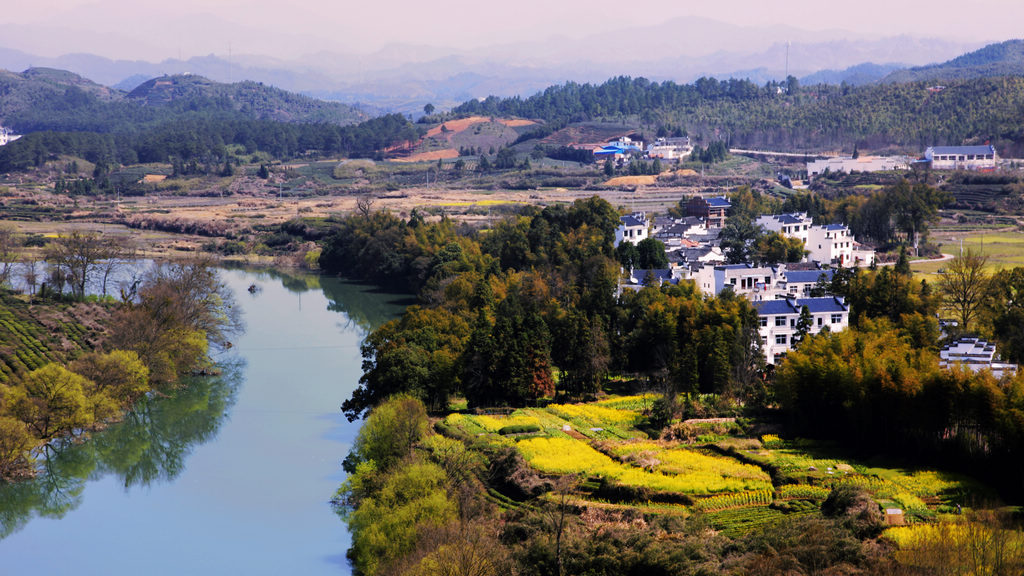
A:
[(1004, 248)]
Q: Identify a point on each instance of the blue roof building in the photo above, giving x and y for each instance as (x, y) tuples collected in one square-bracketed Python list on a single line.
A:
[(983, 158), (778, 321)]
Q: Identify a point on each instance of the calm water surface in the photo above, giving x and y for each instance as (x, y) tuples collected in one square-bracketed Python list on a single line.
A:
[(231, 475)]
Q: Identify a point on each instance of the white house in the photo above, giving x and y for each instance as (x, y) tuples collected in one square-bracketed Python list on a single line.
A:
[(831, 244), (680, 228), (632, 228), (962, 157), (792, 225), (975, 354), (778, 321), (751, 282), (670, 148), (799, 283)]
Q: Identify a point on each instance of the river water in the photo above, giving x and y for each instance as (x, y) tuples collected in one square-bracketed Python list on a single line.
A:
[(231, 475)]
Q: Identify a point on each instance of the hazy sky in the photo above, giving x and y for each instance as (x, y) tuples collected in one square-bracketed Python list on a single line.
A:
[(156, 30)]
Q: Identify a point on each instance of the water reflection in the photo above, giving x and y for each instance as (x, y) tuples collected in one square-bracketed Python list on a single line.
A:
[(362, 304), (150, 445)]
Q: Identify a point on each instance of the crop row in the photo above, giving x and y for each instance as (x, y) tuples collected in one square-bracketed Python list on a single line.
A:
[(571, 456), (637, 403), (690, 462), (593, 415), (737, 522), (735, 500), (496, 423), (801, 491)]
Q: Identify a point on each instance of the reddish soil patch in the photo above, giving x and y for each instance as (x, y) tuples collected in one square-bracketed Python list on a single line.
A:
[(462, 124), (427, 156)]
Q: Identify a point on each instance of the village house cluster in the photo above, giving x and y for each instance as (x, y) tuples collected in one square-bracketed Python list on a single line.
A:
[(779, 292)]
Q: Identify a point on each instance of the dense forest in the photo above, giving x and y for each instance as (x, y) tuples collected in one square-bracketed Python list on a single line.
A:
[(204, 137), (788, 116)]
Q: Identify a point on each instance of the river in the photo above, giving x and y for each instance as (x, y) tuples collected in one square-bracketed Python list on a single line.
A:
[(231, 475)]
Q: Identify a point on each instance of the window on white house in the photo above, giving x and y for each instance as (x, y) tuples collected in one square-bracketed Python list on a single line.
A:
[(764, 322), (780, 321), (837, 318), (820, 320), (780, 339)]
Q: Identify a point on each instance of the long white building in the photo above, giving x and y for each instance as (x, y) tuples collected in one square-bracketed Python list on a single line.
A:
[(962, 157)]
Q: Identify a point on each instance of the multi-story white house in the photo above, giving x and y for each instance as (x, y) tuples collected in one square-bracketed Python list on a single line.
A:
[(778, 321), (975, 354), (962, 157), (632, 228), (831, 244), (751, 282), (793, 225)]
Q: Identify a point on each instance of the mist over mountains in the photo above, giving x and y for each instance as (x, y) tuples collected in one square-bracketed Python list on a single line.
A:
[(402, 78)]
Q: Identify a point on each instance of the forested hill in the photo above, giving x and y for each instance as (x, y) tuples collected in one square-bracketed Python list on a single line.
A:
[(788, 116), (1002, 59), (45, 99), (252, 98), (183, 119)]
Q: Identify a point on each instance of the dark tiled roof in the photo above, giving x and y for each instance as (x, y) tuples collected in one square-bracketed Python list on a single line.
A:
[(811, 276), (718, 203), (789, 219), (962, 150), (630, 221), (814, 305)]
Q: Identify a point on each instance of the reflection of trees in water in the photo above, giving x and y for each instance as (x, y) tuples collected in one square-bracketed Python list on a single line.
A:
[(363, 305), (150, 445)]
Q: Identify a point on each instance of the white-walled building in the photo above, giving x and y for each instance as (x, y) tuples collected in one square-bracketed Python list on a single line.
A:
[(975, 354), (792, 225), (831, 244), (751, 282), (632, 228), (799, 283), (670, 148), (859, 164), (962, 157), (778, 321)]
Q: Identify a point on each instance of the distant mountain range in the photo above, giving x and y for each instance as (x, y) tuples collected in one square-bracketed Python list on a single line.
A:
[(1002, 59), (405, 77)]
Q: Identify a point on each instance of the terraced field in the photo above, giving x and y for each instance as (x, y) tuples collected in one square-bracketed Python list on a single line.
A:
[(739, 483)]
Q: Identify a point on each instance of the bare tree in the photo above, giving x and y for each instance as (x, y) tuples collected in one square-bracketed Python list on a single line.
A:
[(9, 241), (364, 204), (963, 286), (118, 253), (30, 274), (77, 256)]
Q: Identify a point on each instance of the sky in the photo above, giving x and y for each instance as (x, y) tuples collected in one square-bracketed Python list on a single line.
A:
[(156, 30)]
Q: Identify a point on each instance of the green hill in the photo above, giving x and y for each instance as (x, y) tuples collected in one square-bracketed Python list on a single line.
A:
[(45, 99), (252, 99), (1002, 59)]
